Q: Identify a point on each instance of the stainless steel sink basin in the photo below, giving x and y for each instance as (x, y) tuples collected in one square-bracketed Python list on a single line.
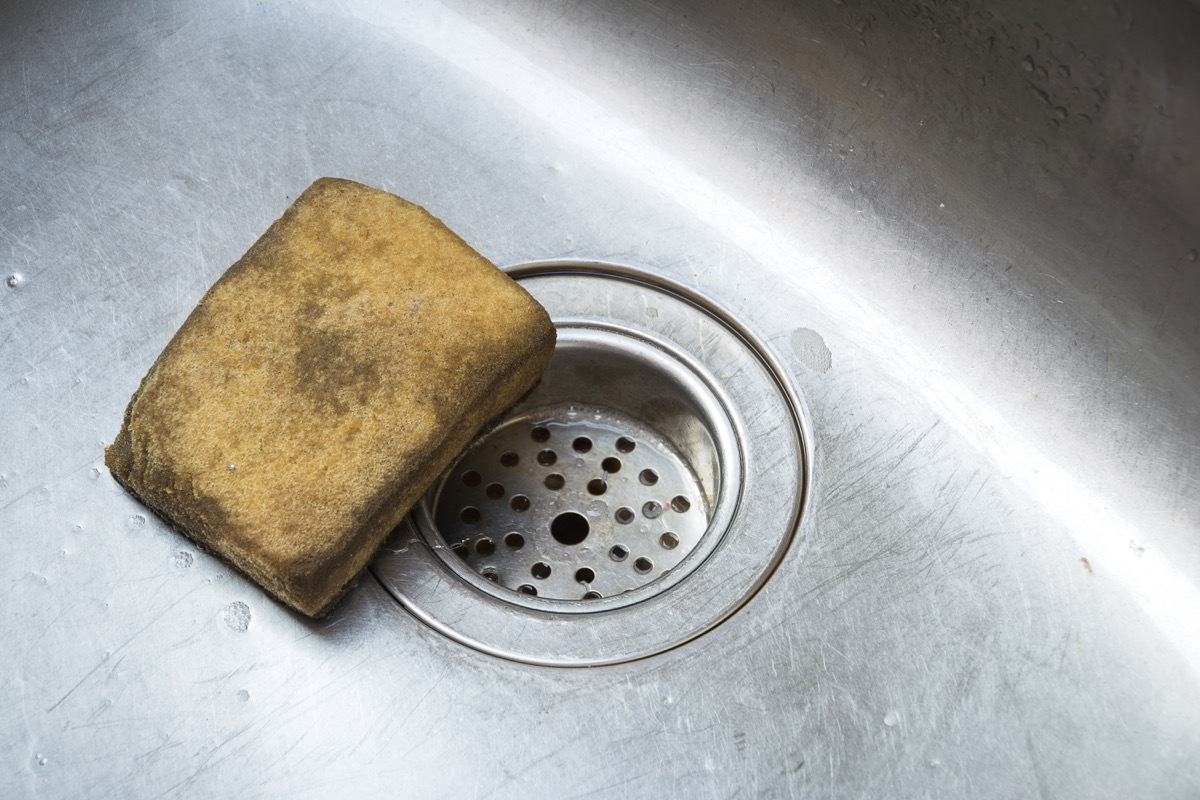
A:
[(966, 234)]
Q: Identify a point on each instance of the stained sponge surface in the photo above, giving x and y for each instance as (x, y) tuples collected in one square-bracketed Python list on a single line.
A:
[(322, 384)]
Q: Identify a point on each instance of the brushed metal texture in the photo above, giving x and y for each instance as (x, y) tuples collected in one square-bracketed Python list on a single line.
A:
[(969, 230)]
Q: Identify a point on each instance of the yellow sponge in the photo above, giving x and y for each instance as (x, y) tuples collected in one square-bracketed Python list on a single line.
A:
[(322, 384)]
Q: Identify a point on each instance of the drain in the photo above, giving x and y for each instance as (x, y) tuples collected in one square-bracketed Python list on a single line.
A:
[(579, 508), (643, 463), (641, 494)]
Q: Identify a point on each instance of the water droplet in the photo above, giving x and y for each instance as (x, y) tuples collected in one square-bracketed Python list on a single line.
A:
[(78, 527), (891, 719), (1027, 64), (93, 473), (237, 616), (137, 521), (42, 760), (231, 467), (1192, 254), (14, 280), (243, 696), (935, 762), (183, 559), (1060, 112)]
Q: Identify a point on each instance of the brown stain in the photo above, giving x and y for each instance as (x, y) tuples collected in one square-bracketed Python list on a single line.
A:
[(331, 367), (1086, 565), (331, 371)]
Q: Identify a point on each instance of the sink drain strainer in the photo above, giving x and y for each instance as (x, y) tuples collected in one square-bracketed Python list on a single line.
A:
[(570, 503), (641, 494)]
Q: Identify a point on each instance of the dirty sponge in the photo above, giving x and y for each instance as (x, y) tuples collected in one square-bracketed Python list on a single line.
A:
[(322, 384)]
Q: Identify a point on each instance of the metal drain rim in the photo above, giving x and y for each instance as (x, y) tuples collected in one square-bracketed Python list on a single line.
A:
[(758, 539), (725, 433)]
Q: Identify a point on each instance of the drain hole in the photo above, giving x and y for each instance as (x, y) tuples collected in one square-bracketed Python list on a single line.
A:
[(569, 528), (652, 509), (625, 444), (554, 481), (582, 445), (597, 486), (680, 504), (491, 575), (611, 465), (525, 588), (648, 477), (540, 570), (619, 552), (643, 565), (510, 459), (471, 478), (485, 546), (519, 502), (592, 596), (547, 458), (540, 434), (585, 575), (470, 515), (669, 541), (494, 491), (460, 549), (516, 541), (624, 515)]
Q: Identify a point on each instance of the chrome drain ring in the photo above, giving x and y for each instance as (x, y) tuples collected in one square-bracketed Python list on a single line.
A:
[(639, 361)]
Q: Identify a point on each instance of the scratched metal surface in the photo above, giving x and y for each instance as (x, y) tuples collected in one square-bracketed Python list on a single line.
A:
[(971, 233)]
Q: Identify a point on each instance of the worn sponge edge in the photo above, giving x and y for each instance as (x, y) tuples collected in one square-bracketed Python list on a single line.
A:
[(322, 384)]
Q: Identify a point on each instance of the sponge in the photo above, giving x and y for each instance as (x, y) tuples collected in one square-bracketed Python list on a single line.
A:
[(322, 384)]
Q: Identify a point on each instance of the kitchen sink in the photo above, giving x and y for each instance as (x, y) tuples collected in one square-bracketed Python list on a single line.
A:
[(916, 288)]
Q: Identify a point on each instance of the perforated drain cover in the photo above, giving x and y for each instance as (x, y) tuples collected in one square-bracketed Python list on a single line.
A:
[(577, 502), (642, 493)]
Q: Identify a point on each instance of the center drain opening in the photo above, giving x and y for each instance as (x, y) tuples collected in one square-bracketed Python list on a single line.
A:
[(601, 483), (569, 528)]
